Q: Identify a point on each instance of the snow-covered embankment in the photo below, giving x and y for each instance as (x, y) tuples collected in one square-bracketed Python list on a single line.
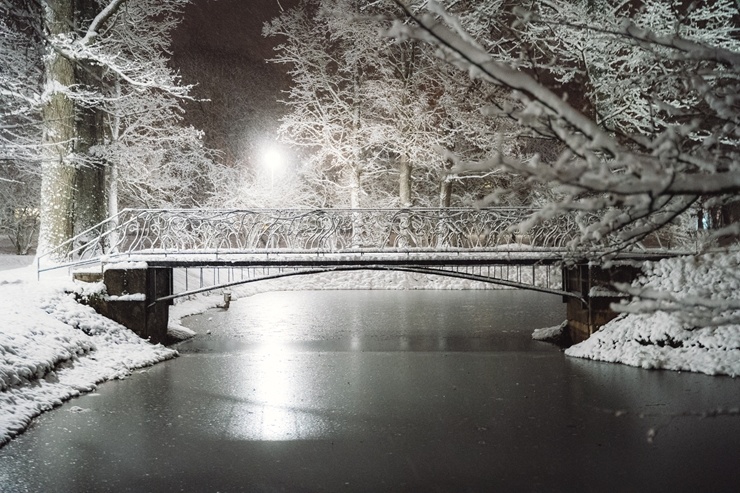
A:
[(53, 348), (709, 286)]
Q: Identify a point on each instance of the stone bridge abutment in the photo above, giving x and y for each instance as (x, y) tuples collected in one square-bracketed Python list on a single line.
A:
[(595, 284), (131, 291)]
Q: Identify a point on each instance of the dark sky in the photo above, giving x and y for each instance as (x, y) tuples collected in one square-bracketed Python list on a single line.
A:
[(229, 25), (219, 46)]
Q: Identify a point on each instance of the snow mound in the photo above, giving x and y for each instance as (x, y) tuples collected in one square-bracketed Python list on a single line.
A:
[(550, 334), (663, 340), (660, 341), (177, 332)]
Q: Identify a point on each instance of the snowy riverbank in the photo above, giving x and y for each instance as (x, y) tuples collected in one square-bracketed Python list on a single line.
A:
[(52, 348), (666, 340)]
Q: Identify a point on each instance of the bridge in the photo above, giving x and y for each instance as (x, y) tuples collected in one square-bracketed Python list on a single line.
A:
[(240, 246)]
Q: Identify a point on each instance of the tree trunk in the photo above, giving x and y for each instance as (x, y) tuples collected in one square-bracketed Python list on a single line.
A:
[(404, 181), (58, 171), (354, 203), (73, 181), (445, 192), (355, 186), (91, 202), (112, 170)]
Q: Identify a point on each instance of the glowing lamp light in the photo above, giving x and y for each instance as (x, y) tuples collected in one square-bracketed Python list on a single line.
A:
[(273, 161)]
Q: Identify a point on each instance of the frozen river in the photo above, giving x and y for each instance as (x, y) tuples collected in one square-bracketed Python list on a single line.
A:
[(375, 391)]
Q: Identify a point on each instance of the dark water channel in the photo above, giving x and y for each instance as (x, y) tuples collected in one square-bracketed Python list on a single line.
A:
[(384, 391)]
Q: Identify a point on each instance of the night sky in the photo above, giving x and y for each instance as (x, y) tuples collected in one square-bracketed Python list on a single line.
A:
[(220, 47), (233, 26)]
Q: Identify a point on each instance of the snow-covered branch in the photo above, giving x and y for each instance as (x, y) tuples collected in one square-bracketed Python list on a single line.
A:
[(687, 151), (100, 20)]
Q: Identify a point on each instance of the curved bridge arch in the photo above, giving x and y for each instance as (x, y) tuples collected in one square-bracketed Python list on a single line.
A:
[(397, 268)]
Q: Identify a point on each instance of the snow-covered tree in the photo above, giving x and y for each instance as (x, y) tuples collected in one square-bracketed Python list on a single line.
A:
[(20, 105), (326, 98), (19, 197), (243, 187), (626, 180), (106, 106), (375, 113), (657, 138)]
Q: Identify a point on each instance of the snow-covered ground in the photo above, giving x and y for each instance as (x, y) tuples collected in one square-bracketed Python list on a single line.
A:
[(668, 340), (53, 348)]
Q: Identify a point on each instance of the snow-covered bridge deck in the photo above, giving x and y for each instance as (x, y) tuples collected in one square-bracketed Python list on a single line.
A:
[(293, 258)]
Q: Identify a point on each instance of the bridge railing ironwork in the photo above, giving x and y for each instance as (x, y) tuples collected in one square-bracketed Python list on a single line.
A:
[(314, 231)]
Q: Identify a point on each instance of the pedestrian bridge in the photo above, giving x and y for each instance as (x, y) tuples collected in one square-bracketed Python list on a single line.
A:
[(194, 250), (455, 242)]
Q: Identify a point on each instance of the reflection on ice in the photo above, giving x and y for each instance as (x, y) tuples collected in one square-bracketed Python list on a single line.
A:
[(274, 410), (472, 403)]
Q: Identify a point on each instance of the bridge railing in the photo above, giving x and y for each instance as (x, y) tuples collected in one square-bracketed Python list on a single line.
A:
[(315, 231)]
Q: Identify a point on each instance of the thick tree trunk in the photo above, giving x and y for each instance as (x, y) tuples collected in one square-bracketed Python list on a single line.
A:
[(73, 181), (90, 202), (58, 170)]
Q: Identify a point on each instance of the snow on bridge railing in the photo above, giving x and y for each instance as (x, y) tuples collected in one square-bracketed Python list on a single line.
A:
[(312, 231), (308, 230)]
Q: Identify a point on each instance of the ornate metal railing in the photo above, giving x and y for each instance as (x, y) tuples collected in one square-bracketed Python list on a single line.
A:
[(319, 231)]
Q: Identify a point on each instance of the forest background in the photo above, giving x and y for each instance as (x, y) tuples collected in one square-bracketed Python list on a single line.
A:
[(620, 114)]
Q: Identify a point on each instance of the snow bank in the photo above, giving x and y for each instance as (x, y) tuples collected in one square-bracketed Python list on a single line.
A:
[(550, 334), (668, 340), (53, 348)]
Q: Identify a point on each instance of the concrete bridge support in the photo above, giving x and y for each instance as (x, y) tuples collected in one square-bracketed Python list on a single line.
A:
[(130, 291), (595, 284)]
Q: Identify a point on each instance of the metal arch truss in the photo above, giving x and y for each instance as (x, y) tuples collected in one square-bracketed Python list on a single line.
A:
[(545, 278)]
